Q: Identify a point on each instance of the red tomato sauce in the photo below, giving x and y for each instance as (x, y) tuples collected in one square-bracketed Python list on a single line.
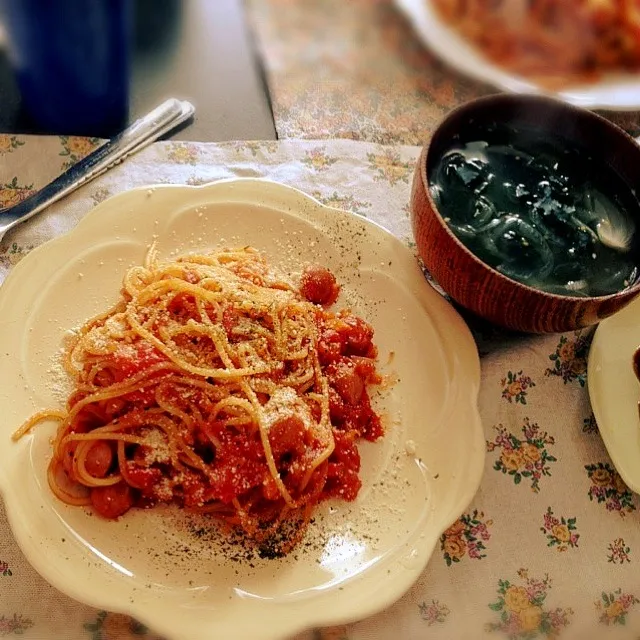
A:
[(236, 460)]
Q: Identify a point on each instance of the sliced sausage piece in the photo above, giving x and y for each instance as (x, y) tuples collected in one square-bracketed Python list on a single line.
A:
[(99, 459), (318, 285), (111, 502)]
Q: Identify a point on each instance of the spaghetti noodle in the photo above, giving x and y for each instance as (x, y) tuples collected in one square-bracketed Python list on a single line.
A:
[(214, 383), (552, 41)]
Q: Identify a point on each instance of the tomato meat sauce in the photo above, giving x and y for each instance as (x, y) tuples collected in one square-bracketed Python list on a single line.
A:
[(236, 460)]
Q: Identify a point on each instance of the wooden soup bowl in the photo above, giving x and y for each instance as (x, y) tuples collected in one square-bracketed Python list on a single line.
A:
[(468, 280)]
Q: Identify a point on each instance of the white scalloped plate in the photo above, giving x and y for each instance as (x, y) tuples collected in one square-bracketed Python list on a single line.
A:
[(171, 571), (613, 93), (614, 390)]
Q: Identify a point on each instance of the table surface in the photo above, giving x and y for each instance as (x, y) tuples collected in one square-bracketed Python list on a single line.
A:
[(548, 549), (198, 50)]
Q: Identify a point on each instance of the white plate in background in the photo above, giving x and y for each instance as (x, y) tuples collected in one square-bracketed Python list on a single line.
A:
[(613, 93)]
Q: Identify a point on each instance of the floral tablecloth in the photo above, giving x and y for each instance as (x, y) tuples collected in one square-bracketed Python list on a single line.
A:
[(550, 546)]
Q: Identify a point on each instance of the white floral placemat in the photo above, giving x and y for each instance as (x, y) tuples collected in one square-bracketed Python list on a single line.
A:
[(550, 547)]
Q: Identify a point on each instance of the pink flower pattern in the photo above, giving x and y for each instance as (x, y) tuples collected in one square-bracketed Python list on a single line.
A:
[(619, 552), (526, 457), (615, 606), (16, 624), (522, 610), (515, 386), (466, 536), (570, 358), (433, 612), (561, 532), (607, 487)]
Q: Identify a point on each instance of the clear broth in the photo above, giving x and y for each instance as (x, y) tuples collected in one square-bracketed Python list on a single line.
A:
[(542, 212)]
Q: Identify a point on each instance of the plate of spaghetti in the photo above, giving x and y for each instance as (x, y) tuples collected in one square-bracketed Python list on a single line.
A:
[(234, 411), (587, 53)]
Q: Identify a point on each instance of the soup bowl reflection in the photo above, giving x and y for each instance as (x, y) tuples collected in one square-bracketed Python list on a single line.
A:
[(465, 277)]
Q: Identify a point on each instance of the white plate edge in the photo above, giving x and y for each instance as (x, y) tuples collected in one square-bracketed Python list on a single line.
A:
[(286, 628), (438, 38)]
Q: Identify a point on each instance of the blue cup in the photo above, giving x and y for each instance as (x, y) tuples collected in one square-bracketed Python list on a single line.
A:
[(72, 61)]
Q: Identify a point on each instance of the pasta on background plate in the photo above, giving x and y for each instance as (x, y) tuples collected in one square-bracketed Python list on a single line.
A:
[(555, 42)]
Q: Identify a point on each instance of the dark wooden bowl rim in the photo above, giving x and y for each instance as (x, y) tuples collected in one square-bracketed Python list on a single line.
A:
[(524, 99)]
